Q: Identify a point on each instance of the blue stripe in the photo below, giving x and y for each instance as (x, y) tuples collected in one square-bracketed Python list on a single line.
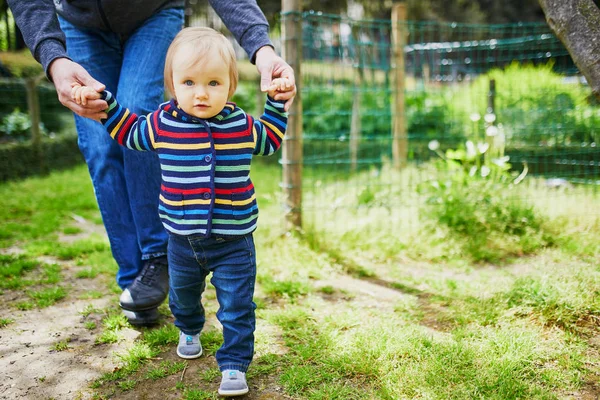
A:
[(115, 116), (274, 121), (197, 157), (234, 157), (142, 129)]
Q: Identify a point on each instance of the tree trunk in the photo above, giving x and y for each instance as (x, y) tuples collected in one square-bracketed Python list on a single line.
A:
[(577, 25)]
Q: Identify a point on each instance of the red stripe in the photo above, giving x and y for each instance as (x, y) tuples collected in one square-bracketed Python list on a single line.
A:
[(196, 135), (125, 128), (156, 127), (236, 190), (274, 138), (229, 135), (181, 191)]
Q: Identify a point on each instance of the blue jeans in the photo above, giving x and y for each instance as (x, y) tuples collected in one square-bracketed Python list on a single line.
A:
[(232, 262), (126, 182)]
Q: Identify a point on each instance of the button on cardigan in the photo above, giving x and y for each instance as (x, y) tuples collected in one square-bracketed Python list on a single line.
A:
[(205, 163)]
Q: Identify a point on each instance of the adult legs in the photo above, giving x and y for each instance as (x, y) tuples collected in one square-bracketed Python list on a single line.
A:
[(126, 182), (100, 54), (141, 89)]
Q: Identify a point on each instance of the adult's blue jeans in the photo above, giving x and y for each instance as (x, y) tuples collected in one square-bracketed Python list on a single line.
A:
[(126, 182), (232, 262)]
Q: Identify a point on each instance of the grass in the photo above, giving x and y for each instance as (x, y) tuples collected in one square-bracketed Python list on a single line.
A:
[(61, 346), (352, 313)]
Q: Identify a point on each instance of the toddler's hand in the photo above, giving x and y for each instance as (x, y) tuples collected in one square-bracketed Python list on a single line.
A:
[(280, 85), (81, 94)]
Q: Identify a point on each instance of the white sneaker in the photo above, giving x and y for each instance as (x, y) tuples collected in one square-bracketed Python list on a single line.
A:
[(233, 383), (189, 346)]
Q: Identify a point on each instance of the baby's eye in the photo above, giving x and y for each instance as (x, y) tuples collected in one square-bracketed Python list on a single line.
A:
[(188, 83), (213, 83)]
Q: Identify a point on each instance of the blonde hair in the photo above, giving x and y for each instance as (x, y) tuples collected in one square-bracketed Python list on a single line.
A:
[(201, 41)]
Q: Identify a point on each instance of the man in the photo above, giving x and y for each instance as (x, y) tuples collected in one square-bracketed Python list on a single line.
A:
[(122, 45)]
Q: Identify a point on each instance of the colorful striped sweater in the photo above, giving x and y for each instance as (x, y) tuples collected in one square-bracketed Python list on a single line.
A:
[(206, 187)]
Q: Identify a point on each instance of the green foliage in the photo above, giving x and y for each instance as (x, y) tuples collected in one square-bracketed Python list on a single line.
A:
[(474, 200), (20, 159), (533, 104), (21, 64), (16, 126), (53, 114)]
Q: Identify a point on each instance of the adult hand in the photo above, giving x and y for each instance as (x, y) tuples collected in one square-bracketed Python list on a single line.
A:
[(270, 66), (64, 73)]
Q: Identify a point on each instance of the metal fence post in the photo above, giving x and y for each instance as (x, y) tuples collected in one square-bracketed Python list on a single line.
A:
[(292, 142), (399, 135)]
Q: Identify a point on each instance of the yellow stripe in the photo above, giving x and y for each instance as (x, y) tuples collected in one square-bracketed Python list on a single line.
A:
[(183, 202), (254, 134), (114, 131), (182, 146), (234, 146), (273, 128), (149, 124), (236, 203)]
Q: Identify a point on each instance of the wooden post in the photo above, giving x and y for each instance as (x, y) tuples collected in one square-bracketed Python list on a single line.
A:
[(359, 79), (33, 103), (399, 136), (292, 142)]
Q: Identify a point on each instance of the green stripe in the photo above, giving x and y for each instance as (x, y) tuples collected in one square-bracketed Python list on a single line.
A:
[(234, 114), (184, 221), (233, 168), (234, 221), (179, 168), (270, 107), (263, 145)]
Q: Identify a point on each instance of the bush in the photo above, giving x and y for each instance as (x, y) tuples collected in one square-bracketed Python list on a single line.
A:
[(13, 95), (534, 104), (17, 126), (20, 159), (474, 200), (21, 64)]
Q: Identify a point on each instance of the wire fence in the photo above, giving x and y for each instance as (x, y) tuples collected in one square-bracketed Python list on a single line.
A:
[(511, 91), (382, 101)]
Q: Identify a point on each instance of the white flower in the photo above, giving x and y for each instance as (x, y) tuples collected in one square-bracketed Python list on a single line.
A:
[(489, 118), (482, 147), (433, 145), (471, 152), (491, 130)]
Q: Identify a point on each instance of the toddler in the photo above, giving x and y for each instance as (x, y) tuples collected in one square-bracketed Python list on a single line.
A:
[(207, 202)]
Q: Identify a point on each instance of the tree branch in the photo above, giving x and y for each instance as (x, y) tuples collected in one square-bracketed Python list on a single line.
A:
[(577, 25)]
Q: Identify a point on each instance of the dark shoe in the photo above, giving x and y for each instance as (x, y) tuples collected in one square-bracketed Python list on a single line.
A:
[(142, 318), (149, 289)]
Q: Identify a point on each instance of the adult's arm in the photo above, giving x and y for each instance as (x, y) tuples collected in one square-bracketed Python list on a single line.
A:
[(42, 34), (246, 21)]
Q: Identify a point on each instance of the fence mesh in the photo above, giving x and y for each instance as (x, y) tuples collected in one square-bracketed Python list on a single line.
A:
[(512, 88), (511, 91)]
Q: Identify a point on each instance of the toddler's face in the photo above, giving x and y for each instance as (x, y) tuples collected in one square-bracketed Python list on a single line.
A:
[(202, 89)]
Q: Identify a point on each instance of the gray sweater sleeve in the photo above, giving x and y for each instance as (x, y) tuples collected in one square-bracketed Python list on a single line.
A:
[(38, 22), (246, 22)]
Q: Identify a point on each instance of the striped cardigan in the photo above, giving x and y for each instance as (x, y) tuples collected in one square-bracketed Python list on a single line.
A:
[(205, 164)]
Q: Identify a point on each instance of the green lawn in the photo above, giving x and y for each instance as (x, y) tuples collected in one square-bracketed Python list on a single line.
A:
[(339, 316)]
